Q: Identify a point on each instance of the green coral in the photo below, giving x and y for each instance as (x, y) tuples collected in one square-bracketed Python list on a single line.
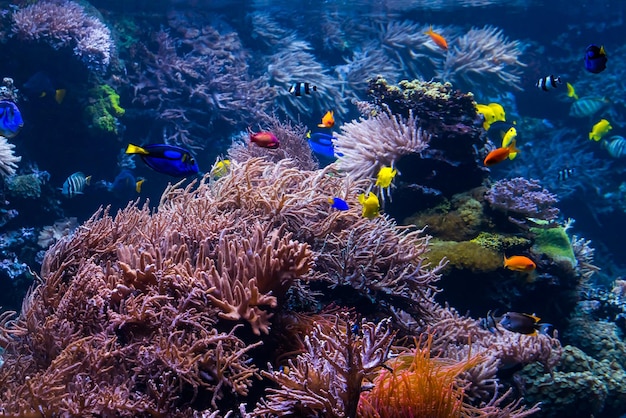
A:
[(500, 242), (464, 255), (581, 386), (554, 243), (104, 109), (26, 186)]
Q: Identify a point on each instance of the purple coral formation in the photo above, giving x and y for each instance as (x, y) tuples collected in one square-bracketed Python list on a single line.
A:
[(521, 198), (63, 24)]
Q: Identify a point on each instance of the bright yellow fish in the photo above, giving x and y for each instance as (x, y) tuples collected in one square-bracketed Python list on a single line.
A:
[(498, 111), (371, 205), (571, 92), (487, 113), (600, 129), (385, 176)]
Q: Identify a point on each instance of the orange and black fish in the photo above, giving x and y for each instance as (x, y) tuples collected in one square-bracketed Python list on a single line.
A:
[(523, 323)]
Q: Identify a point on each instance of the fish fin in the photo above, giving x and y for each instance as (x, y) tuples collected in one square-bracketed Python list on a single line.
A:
[(88, 180), (135, 149), (42, 95), (430, 31), (602, 51), (534, 317), (59, 95), (512, 155), (138, 185)]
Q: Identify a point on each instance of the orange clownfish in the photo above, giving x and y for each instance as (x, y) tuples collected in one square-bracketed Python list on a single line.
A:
[(328, 121), (519, 263), (437, 39), (500, 154)]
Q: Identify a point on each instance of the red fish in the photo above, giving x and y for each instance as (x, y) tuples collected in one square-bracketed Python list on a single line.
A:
[(439, 40), (500, 154), (265, 139)]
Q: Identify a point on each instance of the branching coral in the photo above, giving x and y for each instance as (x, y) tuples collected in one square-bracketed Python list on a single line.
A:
[(483, 57), (328, 378), (197, 80), (66, 24), (8, 159)]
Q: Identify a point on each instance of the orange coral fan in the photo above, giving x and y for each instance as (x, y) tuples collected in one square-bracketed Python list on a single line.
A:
[(416, 385)]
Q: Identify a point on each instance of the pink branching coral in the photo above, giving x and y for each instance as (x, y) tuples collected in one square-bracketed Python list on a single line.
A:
[(66, 24), (328, 378)]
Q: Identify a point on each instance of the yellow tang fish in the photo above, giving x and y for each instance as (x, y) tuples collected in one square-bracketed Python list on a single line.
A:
[(498, 111), (371, 205), (487, 113), (385, 176), (600, 129), (571, 92)]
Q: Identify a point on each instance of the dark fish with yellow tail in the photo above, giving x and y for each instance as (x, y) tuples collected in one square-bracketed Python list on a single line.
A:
[(523, 323)]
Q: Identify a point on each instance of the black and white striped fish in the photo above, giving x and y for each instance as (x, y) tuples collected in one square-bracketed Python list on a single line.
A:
[(75, 184), (565, 174), (548, 82), (299, 89)]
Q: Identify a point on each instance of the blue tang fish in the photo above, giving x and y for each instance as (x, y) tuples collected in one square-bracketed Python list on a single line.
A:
[(338, 203), (125, 184), (322, 144), (595, 59), (10, 119), (166, 159)]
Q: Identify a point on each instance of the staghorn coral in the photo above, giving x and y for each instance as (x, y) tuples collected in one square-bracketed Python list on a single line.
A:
[(8, 159), (66, 24), (328, 379), (483, 57)]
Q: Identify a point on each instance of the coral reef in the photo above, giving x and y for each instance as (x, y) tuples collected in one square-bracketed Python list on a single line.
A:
[(484, 59), (520, 199), (8, 159), (103, 110), (66, 24), (195, 80)]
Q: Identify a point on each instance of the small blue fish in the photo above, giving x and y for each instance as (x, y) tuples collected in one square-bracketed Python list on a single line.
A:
[(338, 203), (322, 144), (595, 59), (75, 184), (166, 159), (10, 119)]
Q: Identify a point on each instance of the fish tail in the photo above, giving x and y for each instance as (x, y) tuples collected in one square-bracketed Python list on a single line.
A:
[(135, 149), (430, 31), (88, 180), (59, 95), (138, 185)]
